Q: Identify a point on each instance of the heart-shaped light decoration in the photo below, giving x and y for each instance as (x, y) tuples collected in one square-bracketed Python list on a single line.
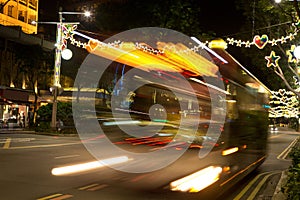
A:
[(92, 45), (260, 42), (282, 92)]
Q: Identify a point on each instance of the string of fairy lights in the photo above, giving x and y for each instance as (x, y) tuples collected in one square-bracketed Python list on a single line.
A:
[(284, 103), (69, 31), (261, 41)]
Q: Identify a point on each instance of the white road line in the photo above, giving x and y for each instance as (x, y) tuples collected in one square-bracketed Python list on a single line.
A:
[(67, 156)]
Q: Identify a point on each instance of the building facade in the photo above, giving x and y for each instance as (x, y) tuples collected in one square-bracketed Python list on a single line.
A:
[(19, 13), (19, 41)]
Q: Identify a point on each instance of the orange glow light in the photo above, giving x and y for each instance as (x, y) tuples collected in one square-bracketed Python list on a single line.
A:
[(229, 151), (179, 60)]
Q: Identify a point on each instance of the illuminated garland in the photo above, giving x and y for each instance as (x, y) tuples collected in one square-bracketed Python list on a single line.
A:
[(69, 32), (261, 41), (283, 104)]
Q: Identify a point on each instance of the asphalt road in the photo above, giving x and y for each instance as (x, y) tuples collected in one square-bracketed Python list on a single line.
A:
[(26, 161)]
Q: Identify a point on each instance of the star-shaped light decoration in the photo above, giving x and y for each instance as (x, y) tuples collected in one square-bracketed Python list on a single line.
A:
[(230, 41), (272, 59), (247, 44), (290, 53), (283, 40), (274, 42), (291, 36), (297, 81)]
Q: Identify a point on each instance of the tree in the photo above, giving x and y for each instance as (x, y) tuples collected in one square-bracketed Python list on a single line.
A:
[(180, 15), (116, 16), (265, 17), (64, 113), (33, 61)]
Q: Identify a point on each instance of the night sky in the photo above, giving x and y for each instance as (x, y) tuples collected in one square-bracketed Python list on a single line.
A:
[(221, 17)]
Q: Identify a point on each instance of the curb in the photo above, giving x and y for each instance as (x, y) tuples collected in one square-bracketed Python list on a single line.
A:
[(278, 194)]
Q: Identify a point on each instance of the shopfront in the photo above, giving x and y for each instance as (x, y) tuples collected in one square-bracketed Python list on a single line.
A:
[(14, 103)]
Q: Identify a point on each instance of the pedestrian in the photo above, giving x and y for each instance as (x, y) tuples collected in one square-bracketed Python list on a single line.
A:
[(23, 120), (19, 121)]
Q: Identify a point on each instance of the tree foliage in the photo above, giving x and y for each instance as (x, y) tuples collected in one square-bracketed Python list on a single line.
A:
[(64, 113), (33, 62), (179, 15), (274, 20)]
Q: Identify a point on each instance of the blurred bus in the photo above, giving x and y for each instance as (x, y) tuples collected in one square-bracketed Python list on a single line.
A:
[(179, 102)]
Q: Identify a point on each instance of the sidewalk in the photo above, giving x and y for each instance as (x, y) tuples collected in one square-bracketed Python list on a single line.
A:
[(278, 194), (20, 130), (31, 131)]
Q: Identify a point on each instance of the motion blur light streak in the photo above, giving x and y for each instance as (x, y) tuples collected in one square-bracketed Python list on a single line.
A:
[(209, 50), (230, 151), (197, 181), (120, 123), (170, 61), (59, 171), (209, 85)]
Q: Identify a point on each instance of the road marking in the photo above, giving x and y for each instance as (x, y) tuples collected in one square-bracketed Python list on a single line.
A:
[(248, 186), (68, 156), (88, 186), (287, 150), (93, 187), (49, 197), (258, 187), (7, 143), (243, 170), (97, 187), (45, 146), (65, 196)]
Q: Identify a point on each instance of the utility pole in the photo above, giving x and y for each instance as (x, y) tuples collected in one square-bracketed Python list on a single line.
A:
[(57, 65)]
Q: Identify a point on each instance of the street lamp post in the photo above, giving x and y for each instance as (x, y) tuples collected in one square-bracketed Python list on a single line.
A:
[(57, 63)]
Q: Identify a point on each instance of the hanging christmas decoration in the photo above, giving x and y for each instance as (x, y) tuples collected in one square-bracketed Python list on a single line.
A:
[(283, 104), (260, 42), (272, 60), (291, 54), (297, 80)]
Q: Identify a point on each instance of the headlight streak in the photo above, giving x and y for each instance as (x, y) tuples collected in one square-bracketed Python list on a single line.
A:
[(120, 122), (209, 85), (197, 181), (229, 151), (67, 170)]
